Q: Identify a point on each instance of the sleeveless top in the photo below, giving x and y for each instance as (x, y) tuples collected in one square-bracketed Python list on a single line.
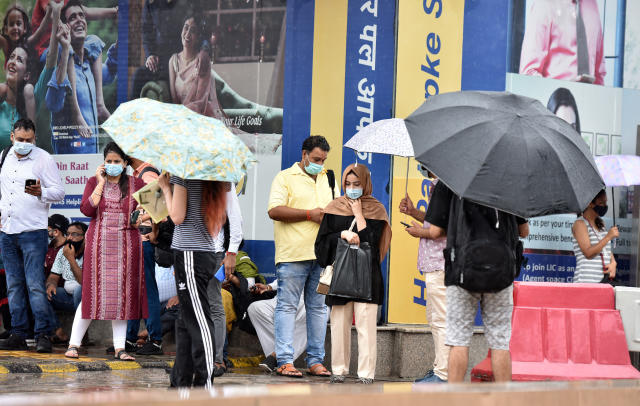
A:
[(591, 270)]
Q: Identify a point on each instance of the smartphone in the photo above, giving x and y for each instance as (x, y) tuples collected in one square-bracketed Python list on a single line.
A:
[(134, 216), (29, 182), (405, 224)]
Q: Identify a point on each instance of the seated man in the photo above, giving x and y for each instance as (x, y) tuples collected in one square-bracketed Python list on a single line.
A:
[(262, 315), (68, 265)]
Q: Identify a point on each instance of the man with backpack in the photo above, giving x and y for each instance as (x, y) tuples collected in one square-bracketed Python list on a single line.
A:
[(482, 258)]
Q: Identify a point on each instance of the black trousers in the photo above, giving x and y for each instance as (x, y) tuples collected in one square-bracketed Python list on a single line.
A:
[(195, 346)]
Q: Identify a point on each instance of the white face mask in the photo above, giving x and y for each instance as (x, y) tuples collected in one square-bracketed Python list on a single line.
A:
[(22, 148)]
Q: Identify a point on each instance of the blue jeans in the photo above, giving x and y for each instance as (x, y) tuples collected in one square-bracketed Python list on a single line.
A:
[(66, 302), (294, 278), (153, 323), (23, 256)]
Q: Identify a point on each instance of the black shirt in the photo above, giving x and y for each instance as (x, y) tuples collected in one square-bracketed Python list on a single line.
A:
[(440, 206)]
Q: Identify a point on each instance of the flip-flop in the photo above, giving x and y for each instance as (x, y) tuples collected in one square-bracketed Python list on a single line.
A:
[(72, 352), (289, 371), (319, 370), (123, 356)]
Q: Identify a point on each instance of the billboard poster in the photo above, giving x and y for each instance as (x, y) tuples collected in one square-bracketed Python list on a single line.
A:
[(67, 98), (429, 61), (568, 40), (604, 118), (223, 59)]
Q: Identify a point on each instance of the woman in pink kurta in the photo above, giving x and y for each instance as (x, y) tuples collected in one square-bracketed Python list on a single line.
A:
[(112, 273)]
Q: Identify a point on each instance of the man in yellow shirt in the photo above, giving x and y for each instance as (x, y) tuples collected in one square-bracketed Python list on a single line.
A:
[(298, 197)]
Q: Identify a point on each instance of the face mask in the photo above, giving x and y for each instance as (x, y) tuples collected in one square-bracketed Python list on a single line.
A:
[(22, 148), (354, 194), (313, 168), (113, 169), (601, 210)]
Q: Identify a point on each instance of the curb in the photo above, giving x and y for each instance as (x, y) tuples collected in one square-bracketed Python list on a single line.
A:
[(29, 367)]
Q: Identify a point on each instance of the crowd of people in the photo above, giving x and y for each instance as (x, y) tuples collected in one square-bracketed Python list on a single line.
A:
[(111, 268)]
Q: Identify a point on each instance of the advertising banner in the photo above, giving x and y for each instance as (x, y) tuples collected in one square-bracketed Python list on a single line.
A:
[(224, 59), (604, 118), (429, 61)]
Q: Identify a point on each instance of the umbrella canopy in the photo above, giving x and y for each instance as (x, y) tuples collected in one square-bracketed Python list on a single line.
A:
[(388, 136), (619, 170), (177, 140), (504, 151)]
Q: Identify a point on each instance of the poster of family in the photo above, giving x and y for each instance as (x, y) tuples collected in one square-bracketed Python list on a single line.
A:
[(67, 64)]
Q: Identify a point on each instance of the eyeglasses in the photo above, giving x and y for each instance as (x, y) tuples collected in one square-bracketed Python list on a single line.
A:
[(76, 234)]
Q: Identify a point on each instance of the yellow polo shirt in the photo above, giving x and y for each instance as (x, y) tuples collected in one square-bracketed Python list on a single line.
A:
[(294, 188)]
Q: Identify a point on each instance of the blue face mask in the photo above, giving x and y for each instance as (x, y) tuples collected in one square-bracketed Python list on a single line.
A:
[(113, 169), (354, 194), (313, 168), (22, 148)]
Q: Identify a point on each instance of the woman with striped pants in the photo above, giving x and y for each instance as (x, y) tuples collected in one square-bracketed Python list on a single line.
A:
[(198, 210)]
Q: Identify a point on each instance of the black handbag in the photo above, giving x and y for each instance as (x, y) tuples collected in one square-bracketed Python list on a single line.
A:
[(352, 271)]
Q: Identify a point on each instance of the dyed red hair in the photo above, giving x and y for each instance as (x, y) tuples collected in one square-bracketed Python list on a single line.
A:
[(214, 204)]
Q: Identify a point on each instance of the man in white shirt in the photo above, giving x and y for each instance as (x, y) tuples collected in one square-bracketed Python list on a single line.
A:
[(224, 256), (29, 183)]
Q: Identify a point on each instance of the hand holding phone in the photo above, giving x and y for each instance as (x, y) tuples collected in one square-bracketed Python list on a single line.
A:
[(32, 187), (134, 216)]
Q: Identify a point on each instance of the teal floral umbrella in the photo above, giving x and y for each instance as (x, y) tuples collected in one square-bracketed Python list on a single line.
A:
[(180, 141)]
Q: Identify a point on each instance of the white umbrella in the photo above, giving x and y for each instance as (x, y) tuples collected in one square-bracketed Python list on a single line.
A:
[(388, 137)]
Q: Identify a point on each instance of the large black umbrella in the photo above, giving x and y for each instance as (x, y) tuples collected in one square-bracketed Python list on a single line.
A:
[(504, 151)]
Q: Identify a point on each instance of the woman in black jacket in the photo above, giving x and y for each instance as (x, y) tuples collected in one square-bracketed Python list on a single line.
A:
[(371, 226)]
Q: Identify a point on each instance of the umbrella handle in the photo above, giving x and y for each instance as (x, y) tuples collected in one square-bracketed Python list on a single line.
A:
[(406, 182)]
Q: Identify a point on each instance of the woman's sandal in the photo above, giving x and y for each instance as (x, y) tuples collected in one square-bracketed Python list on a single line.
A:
[(72, 352), (289, 371), (319, 370), (123, 356)]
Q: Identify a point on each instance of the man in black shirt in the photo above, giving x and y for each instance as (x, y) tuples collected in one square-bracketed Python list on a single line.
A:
[(462, 304)]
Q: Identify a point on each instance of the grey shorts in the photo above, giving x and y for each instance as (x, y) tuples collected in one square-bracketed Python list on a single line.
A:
[(496, 309)]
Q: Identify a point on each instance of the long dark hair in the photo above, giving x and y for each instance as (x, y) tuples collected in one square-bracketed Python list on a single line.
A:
[(30, 69), (599, 222), (124, 178), (25, 21), (563, 97)]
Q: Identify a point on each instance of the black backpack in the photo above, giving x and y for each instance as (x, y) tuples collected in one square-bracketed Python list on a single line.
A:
[(163, 252), (484, 253), (331, 177)]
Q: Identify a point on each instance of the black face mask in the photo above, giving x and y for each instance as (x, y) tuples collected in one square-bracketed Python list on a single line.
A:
[(77, 245), (601, 210)]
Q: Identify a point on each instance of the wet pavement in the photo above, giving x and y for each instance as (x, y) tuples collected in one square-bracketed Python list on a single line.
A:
[(147, 378)]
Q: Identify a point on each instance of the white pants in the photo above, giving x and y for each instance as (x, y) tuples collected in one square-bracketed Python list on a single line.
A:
[(81, 325), (366, 315), (262, 315), (437, 318)]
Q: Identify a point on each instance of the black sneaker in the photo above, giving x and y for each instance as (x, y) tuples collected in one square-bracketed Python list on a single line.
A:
[(151, 347), (270, 364), (5, 334), (43, 345), (14, 343)]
